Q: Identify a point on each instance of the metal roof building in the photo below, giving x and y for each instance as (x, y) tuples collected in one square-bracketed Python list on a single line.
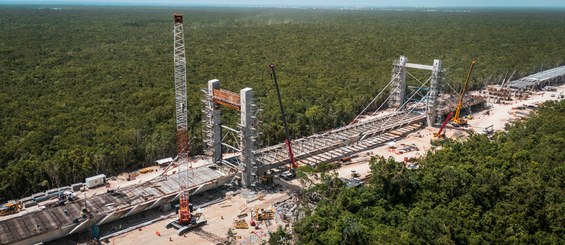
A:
[(539, 80)]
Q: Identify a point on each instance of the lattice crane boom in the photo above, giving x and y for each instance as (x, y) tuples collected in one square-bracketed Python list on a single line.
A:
[(180, 88)]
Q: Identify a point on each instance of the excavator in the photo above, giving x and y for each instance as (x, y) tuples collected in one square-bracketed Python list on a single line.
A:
[(291, 172), (457, 121)]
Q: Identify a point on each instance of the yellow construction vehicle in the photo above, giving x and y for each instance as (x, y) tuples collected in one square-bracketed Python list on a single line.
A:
[(11, 207), (456, 120), (241, 224), (264, 214)]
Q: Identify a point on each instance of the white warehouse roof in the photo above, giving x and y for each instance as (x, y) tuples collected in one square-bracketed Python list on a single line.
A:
[(536, 79), (164, 161)]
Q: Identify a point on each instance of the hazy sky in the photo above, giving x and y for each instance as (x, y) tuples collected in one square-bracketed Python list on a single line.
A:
[(375, 3)]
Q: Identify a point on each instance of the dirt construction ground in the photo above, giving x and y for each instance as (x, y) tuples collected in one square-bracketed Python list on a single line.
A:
[(220, 217)]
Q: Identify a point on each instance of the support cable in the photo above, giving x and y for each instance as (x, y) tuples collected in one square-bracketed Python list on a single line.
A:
[(368, 135), (388, 98), (374, 99)]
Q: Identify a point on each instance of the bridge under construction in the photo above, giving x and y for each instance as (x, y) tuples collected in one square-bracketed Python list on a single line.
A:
[(404, 115), (406, 112), (402, 109)]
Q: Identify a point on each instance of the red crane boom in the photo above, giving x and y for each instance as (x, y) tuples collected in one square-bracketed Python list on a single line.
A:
[(440, 133), (293, 164)]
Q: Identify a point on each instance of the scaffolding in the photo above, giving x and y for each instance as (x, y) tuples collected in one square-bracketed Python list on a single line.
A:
[(214, 98), (211, 119), (435, 84), (398, 92)]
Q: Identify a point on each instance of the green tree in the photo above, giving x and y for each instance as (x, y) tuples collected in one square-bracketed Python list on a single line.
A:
[(280, 237)]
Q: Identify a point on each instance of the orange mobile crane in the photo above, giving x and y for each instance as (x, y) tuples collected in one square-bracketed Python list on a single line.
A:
[(456, 120)]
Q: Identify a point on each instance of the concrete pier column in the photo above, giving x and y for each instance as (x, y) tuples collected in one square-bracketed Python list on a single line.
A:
[(213, 129), (247, 139), (398, 89), (431, 108)]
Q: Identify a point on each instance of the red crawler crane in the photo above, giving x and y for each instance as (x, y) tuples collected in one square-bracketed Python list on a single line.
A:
[(293, 164), (441, 134), (186, 220)]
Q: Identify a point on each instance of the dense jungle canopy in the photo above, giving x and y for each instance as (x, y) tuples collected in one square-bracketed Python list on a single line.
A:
[(508, 190)]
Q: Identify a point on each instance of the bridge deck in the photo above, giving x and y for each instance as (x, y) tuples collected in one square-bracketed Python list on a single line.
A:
[(343, 141), (335, 142), (51, 223)]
